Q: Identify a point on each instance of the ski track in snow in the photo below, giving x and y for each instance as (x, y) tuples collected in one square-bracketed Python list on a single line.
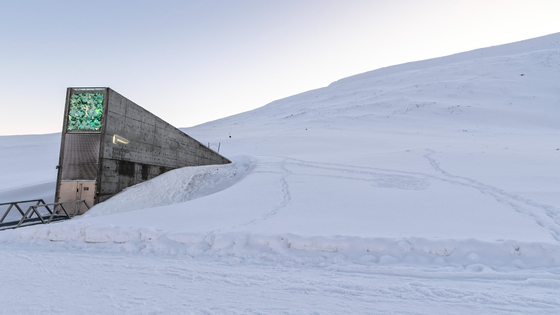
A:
[(544, 215), (549, 221), (396, 179), (284, 193)]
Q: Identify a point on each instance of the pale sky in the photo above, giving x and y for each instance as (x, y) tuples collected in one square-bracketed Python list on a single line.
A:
[(190, 62)]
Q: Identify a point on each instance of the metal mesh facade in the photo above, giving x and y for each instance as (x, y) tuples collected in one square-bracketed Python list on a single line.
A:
[(81, 156)]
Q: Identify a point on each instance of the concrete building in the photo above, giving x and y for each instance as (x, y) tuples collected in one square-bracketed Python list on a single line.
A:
[(110, 143)]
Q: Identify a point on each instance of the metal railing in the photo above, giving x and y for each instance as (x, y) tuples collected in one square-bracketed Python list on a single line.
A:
[(58, 212)]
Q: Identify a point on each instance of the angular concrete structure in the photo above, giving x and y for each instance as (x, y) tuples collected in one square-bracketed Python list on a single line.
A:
[(110, 143)]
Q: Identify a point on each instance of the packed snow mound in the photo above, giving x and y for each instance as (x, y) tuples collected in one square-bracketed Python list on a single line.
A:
[(175, 186), (336, 252)]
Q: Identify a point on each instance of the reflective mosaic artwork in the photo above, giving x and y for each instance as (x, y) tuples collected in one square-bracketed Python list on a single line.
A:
[(85, 111)]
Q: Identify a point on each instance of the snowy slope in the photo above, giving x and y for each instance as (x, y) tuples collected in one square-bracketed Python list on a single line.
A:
[(447, 165), (460, 147), (28, 166)]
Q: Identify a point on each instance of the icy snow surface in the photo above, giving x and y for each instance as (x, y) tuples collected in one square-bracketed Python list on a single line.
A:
[(425, 188)]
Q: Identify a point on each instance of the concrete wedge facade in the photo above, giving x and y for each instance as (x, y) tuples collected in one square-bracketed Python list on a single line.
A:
[(110, 143)]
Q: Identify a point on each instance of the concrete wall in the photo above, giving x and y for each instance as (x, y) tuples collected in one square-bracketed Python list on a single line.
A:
[(153, 147)]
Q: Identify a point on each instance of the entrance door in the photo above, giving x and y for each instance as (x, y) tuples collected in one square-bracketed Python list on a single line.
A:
[(77, 190)]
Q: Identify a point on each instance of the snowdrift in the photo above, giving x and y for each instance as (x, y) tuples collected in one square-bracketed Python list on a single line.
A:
[(175, 186)]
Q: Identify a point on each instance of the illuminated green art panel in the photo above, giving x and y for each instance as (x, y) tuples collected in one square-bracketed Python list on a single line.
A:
[(85, 111)]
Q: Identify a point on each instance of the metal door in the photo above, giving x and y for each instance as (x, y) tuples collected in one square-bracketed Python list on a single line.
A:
[(77, 190)]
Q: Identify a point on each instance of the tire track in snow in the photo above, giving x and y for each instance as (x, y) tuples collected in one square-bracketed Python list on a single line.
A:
[(550, 220)]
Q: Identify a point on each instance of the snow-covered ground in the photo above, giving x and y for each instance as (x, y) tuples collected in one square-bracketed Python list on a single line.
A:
[(425, 188)]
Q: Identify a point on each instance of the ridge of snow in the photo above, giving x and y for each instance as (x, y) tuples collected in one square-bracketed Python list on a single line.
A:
[(487, 259), (175, 186)]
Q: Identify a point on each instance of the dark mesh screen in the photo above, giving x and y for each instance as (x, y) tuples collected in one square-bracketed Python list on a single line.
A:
[(126, 168), (81, 154)]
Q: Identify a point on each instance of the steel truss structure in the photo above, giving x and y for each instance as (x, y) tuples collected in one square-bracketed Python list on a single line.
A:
[(58, 212)]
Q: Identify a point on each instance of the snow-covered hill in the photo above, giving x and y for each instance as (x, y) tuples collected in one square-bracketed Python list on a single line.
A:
[(447, 165)]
